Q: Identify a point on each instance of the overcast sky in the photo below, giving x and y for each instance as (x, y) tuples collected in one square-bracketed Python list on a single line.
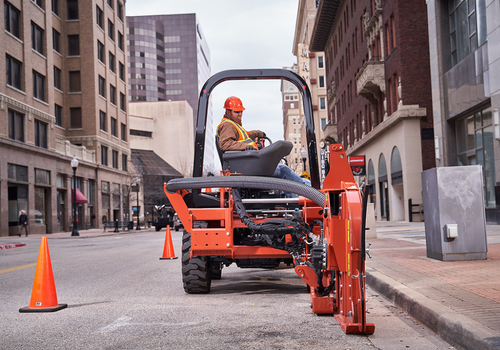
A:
[(241, 34)]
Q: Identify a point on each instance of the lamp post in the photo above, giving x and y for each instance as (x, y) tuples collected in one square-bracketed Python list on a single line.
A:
[(74, 165), (135, 189), (303, 154)]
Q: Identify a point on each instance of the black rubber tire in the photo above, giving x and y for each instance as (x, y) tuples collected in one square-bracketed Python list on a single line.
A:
[(196, 274), (157, 228)]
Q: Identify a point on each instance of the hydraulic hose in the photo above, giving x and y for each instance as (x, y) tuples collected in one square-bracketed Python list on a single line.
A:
[(259, 182)]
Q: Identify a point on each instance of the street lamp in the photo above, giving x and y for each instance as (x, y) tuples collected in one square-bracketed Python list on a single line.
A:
[(303, 154), (74, 165), (136, 189)]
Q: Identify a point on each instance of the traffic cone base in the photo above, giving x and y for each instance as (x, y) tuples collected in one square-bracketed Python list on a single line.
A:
[(43, 309), (168, 251), (43, 296)]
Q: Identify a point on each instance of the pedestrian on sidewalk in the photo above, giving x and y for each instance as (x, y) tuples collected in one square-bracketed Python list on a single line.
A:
[(23, 222)]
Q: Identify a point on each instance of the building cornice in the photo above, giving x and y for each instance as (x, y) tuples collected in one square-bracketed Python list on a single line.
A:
[(9, 102), (323, 24), (403, 113)]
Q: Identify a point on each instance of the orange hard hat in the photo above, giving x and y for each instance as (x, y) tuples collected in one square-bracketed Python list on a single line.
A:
[(234, 104)]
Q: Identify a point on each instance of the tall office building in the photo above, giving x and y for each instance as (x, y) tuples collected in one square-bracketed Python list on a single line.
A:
[(169, 60), (311, 67), (64, 94)]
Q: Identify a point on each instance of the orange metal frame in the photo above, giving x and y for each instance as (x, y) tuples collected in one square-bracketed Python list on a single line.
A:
[(341, 230)]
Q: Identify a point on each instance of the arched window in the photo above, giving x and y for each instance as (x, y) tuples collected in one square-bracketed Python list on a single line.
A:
[(371, 173), (382, 169), (383, 188), (396, 167)]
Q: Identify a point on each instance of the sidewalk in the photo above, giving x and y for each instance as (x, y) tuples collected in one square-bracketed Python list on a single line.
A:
[(7, 242), (459, 300)]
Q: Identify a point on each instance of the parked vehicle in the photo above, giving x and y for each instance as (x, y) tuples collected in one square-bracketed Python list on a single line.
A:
[(164, 217)]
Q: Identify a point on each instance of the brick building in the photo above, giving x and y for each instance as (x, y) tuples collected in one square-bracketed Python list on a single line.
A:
[(64, 94), (379, 96)]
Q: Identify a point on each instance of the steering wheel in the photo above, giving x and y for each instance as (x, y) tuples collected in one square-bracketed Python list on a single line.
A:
[(259, 140)]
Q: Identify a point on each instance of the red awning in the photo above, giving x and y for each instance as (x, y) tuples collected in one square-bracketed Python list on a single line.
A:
[(80, 198)]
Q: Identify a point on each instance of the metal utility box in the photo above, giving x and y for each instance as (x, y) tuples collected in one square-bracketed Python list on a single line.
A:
[(455, 221)]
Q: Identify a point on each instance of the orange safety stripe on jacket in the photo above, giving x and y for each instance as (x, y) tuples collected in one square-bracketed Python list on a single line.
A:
[(243, 134)]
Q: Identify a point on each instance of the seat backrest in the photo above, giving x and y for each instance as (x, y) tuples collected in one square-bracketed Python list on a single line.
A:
[(257, 163), (220, 153)]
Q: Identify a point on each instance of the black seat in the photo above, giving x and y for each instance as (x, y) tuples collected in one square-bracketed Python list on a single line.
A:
[(254, 163)]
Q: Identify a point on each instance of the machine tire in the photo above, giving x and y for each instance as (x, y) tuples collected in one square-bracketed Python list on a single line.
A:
[(196, 273), (157, 228)]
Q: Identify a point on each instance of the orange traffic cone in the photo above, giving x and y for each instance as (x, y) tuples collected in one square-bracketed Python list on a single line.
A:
[(168, 251), (43, 296)]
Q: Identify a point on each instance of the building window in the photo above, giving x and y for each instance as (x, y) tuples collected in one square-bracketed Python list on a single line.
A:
[(58, 114), (110, 3), (115, 159), (104, 155), (55, 7), (13, 72), (16, 126), (40, 134), (121, 71), (124, 162), (75, 118), (124, 132), (113, 127), (321, 81), (112, 94), (100, 51), (57, 78), (102, 120), (73, 45), (74, 81), (72, 6), (323, 123), (99, 17), (322, 103), (119, 10), (17, 194), (38, 86), (475, 145), (122, 102), (12, 15), (102, 86), (111, 62), (38, 2), (321, 63), (467, 28), (36, 38), (111, 30), (120, 41), (56, 40)]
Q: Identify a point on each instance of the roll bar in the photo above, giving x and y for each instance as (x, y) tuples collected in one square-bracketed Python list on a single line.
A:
[(254, 74)]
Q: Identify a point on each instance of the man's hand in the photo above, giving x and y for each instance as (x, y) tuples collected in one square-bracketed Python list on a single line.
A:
[(250, 148)]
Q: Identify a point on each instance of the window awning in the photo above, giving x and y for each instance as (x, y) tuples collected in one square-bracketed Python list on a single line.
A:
[(80, 198)]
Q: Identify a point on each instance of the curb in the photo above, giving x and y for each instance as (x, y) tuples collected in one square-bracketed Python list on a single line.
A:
[(451, 326), (13, 245)]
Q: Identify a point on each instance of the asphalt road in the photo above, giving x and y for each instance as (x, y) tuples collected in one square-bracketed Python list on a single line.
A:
[(121, 296)]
